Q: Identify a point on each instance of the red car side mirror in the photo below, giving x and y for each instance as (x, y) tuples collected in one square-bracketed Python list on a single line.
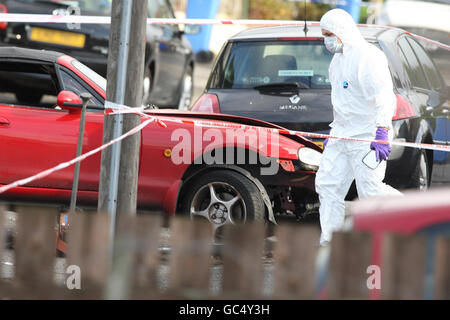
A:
[(68, 97)]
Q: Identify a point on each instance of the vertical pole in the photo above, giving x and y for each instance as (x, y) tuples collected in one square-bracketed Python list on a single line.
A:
[(118, 175), (118, 119), (120, 163), (73, 200)]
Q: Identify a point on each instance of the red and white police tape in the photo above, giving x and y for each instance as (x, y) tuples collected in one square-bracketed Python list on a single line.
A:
[(113, 108), (116, 108), (76, 19), (220, 124)]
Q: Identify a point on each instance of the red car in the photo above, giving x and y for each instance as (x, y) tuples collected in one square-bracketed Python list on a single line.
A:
[(417, 212), (35, 137)]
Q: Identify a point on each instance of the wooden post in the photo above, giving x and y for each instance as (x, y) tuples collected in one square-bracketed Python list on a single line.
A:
[(35, 251), (147, 257), (3, 290), (190, 258), (87, 248), (2, 231), (295, 256), (136, 258), (118, 189), (403, 267), (442, 269), (243, 261), (118, 284), (349, 259)]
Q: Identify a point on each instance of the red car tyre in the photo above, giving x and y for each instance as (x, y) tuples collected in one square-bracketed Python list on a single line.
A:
[(224, 197)]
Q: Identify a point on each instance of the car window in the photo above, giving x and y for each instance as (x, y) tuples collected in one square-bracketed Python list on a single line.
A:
[(255, 63), (427, 64), (412, 65), (220, 66), (28, 84), (91, 74), (70, 83), (396, 77)]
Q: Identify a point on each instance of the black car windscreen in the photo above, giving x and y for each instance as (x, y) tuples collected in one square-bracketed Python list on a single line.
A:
[(251, 64)]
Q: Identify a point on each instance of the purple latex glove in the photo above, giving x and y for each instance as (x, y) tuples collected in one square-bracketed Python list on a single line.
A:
[(382, 150), (325, 143)]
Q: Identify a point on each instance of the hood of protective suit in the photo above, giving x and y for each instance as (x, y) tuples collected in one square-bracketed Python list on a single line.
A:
[(342, 25)]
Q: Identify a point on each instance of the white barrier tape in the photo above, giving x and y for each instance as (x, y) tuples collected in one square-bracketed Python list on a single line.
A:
[(223, 124), (73, 161), (114, 108), (42, 18), (47, 18), (427, 146)]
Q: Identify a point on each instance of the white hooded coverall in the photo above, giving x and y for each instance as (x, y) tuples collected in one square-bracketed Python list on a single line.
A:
[(363, 99)]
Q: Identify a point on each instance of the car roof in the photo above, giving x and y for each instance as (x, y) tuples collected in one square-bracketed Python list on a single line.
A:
[(31, 54), (369, 32)]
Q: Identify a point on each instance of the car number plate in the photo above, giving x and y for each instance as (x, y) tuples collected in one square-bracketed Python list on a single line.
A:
[(58, 37)]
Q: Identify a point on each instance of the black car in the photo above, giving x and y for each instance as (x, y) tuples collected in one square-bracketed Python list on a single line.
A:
[(280, 75), (169, 60)]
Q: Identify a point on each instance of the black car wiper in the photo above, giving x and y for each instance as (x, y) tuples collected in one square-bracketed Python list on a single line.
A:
[(282, 87)]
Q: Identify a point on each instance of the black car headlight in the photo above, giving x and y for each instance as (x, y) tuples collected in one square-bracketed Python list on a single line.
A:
[(309, 158)]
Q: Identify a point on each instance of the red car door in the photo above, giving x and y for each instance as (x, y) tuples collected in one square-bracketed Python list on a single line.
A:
[(36, 139)]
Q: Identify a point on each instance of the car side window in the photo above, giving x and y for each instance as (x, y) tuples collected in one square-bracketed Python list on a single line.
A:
[(412, 65), (28, 84), (71, 84), (220, 67), (396, 78), (427, 64)]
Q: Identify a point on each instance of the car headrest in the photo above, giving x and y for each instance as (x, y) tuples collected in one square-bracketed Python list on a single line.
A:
[(282, 61), (273, 63)]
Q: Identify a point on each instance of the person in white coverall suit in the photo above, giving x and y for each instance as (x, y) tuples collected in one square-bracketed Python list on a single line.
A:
[(363, 106)]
